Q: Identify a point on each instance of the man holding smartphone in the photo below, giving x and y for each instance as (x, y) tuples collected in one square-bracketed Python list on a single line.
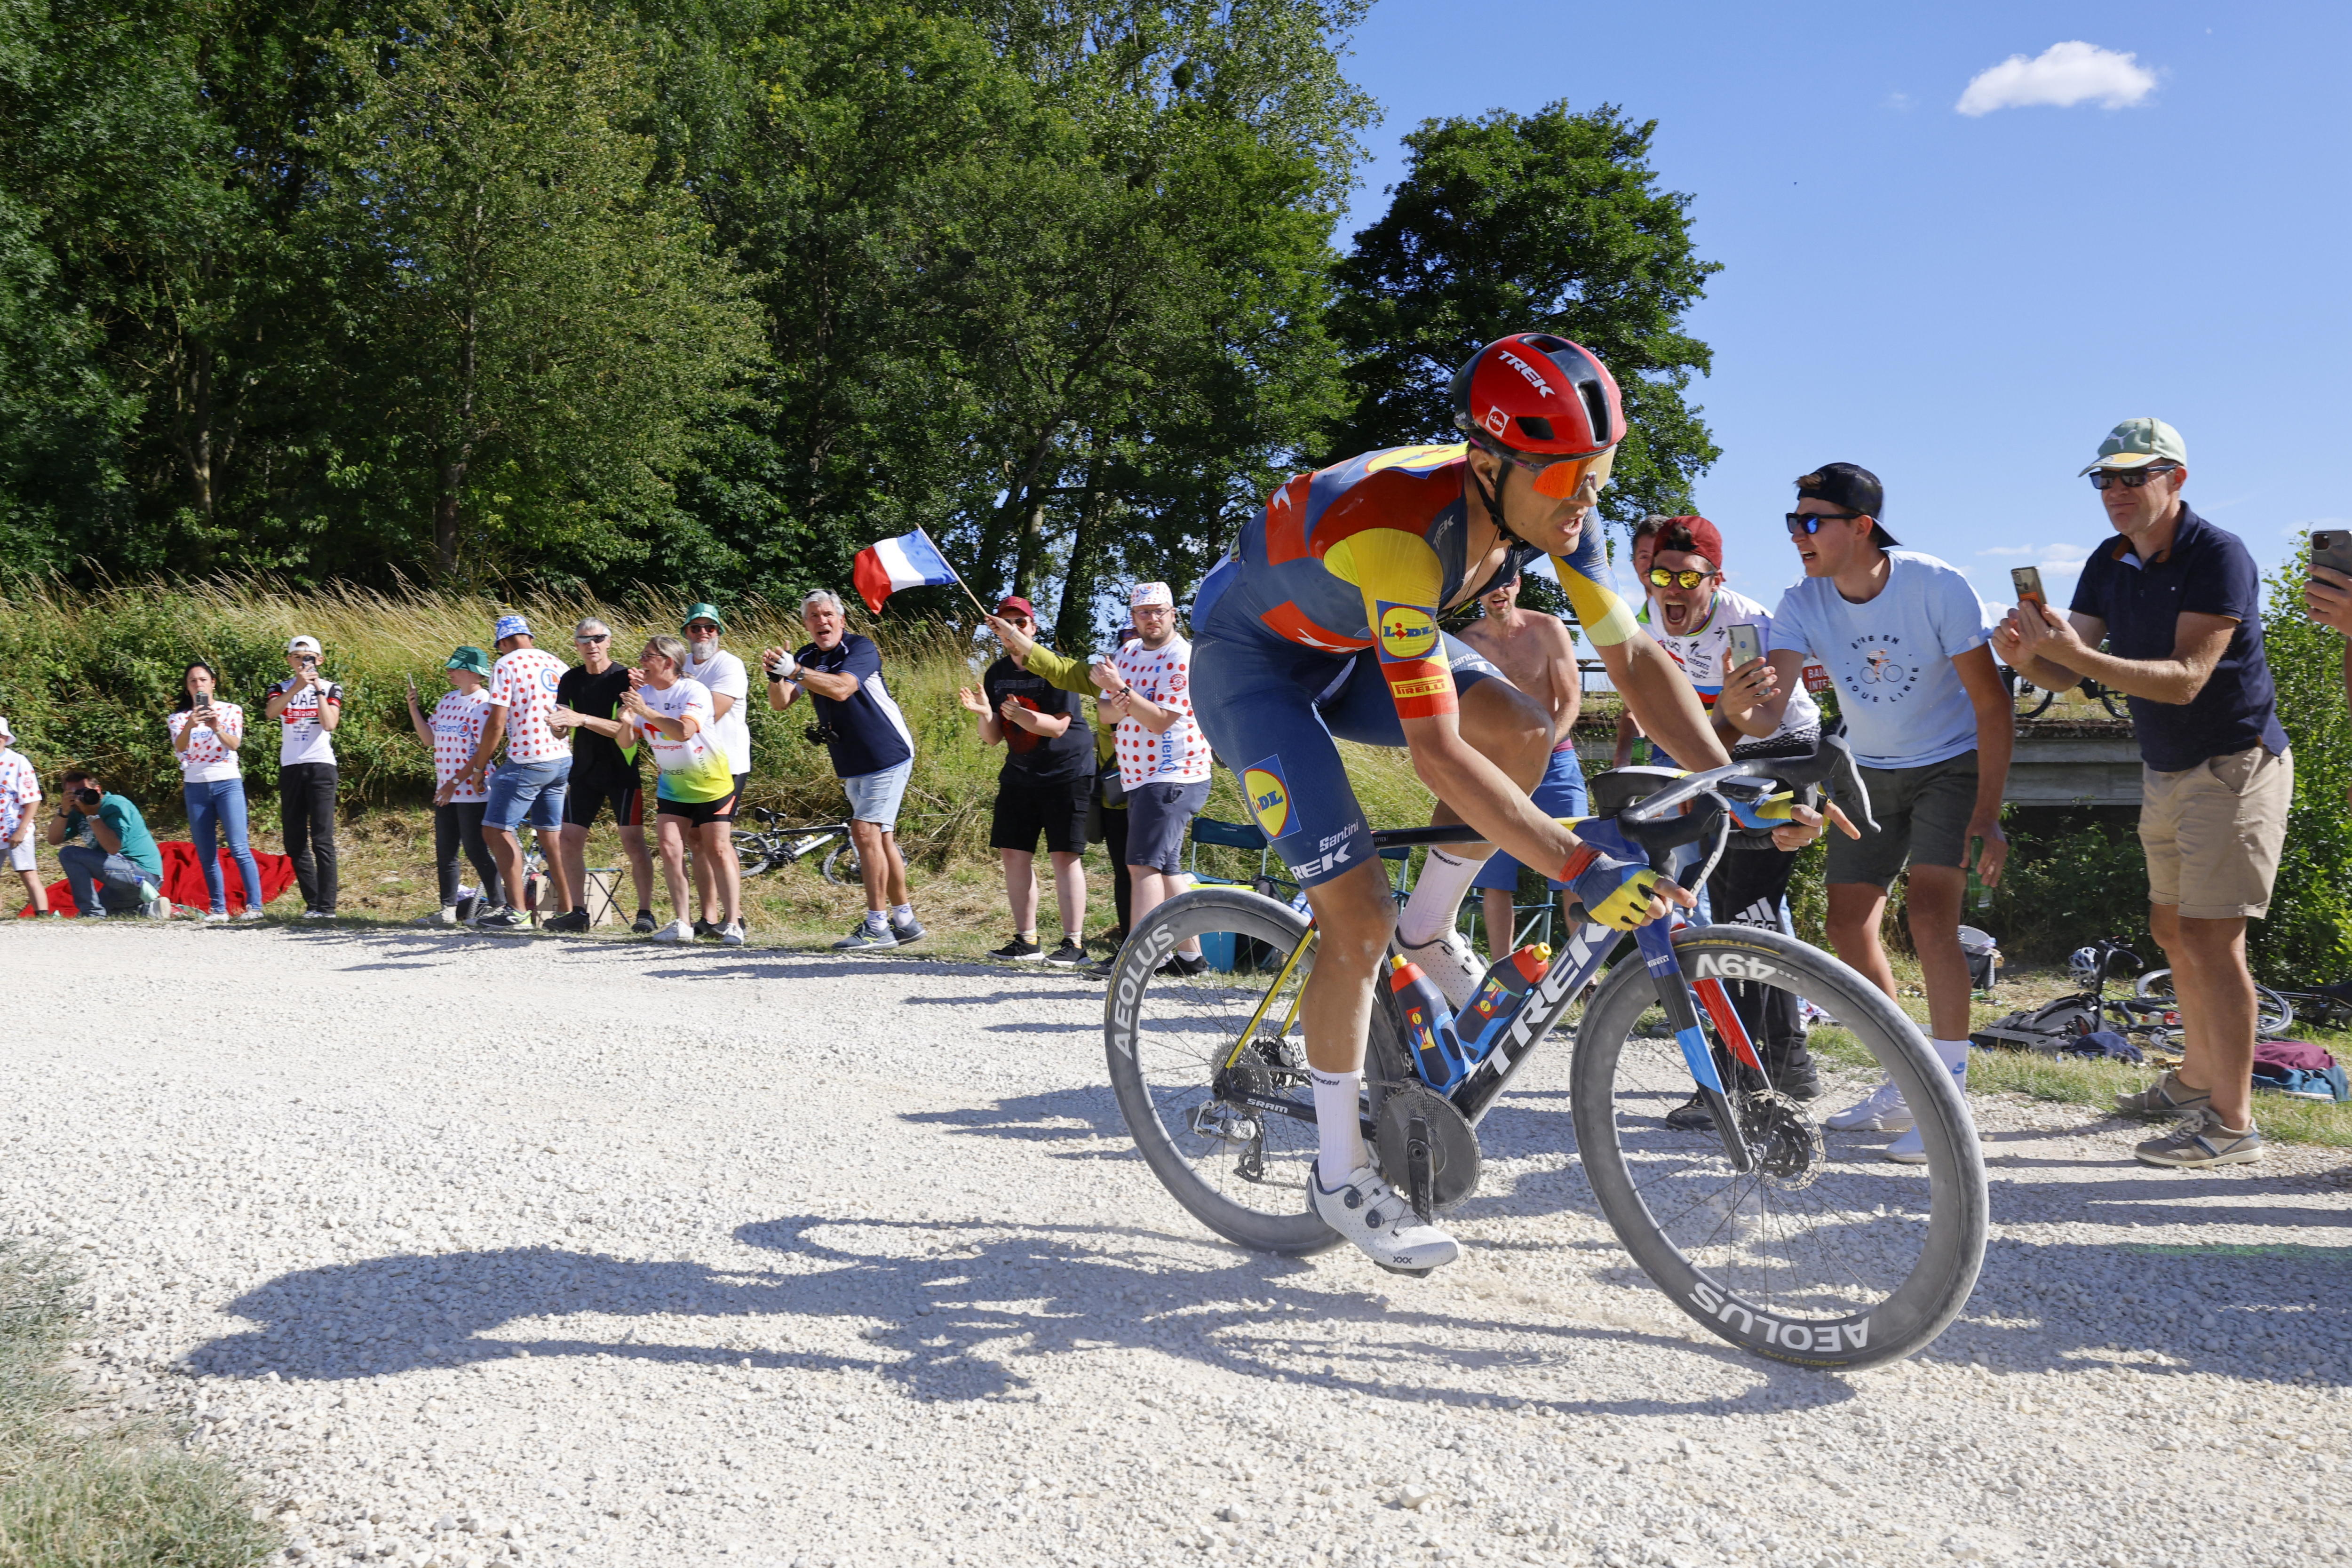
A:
[(2327, 591), (2178, 603), (308, 707)]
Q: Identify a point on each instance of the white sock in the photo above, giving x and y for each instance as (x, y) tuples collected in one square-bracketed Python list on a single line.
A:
[(901, 913), (1335, 1120), (1436, 898), (876, 921), (1954, 1055)]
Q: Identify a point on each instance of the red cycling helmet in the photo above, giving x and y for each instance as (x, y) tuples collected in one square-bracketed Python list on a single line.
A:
[(1543, 397)]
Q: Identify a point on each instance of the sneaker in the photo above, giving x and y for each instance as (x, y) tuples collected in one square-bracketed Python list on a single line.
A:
[(703, 928), (447, 915), (503, 919), (1070, 954), (2166, 1097), (574, 920), (2200, 1140), (1883, 1111), (1908, 1150), (158, 908), (909, 930), (643, 925), (247, 913), (1017, 950), (677, 931), (317, 914), (1450, 965), (1693, 1115), (215, 917), (732, 934), (1366, 1210), (862, 936), (1100, 969), (1178, 965)]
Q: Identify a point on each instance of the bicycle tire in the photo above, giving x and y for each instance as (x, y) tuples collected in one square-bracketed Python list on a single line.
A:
[(1910, 1273), (2117, 705), (754, 853), (1149, 1067), (841, 865), (2273, 1012), (2028, 707)]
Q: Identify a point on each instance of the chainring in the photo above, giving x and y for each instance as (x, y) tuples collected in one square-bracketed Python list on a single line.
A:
[(1455, 1159)]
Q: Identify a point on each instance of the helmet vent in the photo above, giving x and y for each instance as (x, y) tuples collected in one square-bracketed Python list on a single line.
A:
[(1596, 405), (1536, 426)]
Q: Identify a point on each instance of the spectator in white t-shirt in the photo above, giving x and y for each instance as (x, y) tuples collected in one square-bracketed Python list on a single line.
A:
[(723, 675), (531, 783), (453, 730), (695, 796), (206, 735), (1163, 758), (20, 791), (308, 706)]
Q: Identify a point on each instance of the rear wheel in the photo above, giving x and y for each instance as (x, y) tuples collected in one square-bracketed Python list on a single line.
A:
[(841, 866), (1213, 1126), (2273, 1012), (753, 852), (1826, 1253)]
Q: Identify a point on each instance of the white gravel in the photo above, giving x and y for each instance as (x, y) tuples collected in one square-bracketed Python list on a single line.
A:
[(473, 1250)]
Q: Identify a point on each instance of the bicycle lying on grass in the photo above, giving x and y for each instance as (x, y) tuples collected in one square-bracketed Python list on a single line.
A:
[(2328, 1007), (1758, 1230), (774, 844)]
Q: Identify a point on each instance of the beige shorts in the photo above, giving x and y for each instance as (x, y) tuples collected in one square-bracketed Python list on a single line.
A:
[(2216, 829)]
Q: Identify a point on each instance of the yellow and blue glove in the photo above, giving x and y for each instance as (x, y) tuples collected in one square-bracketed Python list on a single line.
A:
[(1613, 893)]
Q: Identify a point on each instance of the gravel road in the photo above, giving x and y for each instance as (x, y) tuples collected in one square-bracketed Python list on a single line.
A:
[(473, 1250)]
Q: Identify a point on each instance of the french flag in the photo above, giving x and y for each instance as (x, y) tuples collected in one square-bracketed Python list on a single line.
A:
[(909, 561)]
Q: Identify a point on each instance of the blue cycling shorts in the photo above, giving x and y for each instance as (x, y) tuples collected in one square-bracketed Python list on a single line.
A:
[(1273, 711)]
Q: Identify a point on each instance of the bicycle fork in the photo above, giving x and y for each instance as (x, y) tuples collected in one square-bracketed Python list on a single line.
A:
[(1656, 943)]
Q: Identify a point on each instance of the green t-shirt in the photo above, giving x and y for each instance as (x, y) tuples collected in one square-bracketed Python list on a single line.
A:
[(138, 843)]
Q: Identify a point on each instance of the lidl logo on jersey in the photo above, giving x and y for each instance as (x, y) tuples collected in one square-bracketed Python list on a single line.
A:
[(1269, 796), (1406, 631)]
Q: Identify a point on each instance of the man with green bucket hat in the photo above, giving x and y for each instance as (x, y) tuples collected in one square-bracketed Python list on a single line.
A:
[(729, 685)]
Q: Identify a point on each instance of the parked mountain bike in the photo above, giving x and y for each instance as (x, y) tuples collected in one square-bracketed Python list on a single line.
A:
[(2330, 1007), (1761, 1229), (2032, 701), (774, 844)]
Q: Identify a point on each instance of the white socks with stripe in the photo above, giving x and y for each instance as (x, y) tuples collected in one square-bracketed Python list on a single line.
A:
[(1436, 898), (1340, 1132)]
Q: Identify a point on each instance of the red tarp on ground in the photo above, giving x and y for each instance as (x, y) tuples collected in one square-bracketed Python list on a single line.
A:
[(183, 880)]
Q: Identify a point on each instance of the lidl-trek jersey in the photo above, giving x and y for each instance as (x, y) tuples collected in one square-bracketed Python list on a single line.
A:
[(1323, 623)]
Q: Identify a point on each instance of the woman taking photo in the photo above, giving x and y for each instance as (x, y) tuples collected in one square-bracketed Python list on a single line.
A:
[(697, 794), (453, 731), (205, 736)]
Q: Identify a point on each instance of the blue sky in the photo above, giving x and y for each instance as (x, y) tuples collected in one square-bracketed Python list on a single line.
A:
[(1965, 302)]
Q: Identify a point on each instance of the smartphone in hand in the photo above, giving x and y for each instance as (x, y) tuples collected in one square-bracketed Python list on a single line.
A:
[(2027, 582), (1746, 645), (2332, 547)]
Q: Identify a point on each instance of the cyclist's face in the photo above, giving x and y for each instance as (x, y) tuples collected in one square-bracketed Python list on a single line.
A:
[(1552, 524), (1679, 607)]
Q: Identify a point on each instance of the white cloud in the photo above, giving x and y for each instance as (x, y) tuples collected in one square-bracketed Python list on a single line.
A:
[(2061, 555), (2061, 77)]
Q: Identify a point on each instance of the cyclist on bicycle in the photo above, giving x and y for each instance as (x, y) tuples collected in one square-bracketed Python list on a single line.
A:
[(1323, 623)]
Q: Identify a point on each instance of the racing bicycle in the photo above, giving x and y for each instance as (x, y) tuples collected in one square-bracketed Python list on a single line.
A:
[(2330, 1007), (774, 844), (1767, 1229)]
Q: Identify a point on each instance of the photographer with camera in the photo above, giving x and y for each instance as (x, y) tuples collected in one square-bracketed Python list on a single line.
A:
[(109, 860), (873, 754), (20, 791), (308, 709), (206, 735)]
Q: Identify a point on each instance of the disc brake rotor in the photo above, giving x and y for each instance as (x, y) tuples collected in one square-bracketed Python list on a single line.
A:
[(1786, 1139)]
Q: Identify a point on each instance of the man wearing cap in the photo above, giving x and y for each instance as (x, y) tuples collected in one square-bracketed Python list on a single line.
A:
[(20, 791), (1045, 788), (1538, 655), (2178, 604), (308, 709), (530, 784), (1901, 636), (604, 773), (729, 685), (1163, 759)]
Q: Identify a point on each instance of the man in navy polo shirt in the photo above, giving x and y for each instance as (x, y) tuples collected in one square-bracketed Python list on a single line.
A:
[(2179, 605)]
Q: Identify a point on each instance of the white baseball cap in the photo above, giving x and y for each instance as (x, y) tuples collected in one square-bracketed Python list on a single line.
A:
[(1147, 593), (11, 735), (303, 645)]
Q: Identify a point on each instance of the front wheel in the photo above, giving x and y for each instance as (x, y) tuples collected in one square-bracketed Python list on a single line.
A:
[(2273, 1012), (841, 866), (1825, 1254)]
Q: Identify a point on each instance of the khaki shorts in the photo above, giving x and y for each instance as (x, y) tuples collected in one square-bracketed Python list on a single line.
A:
[(1923, 820), (2216, 829)]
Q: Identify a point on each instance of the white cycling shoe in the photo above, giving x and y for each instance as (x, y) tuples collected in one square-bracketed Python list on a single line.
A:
[(1367, 1211), (1883, 1111), (1908, 1150), (1451, 966)]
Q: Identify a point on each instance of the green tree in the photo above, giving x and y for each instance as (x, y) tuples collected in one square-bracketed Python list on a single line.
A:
[(2307, 938), (546, 324), (1545, 222)]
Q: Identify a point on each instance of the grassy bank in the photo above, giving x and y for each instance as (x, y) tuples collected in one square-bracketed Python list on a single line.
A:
[(75, 1494)]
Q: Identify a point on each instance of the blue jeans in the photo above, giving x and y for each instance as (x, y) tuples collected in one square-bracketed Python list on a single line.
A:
[(217, 807), (532, 790), (92, 873)]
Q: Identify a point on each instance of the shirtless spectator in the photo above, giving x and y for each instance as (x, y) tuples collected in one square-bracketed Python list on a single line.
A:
[(1538, 654)]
